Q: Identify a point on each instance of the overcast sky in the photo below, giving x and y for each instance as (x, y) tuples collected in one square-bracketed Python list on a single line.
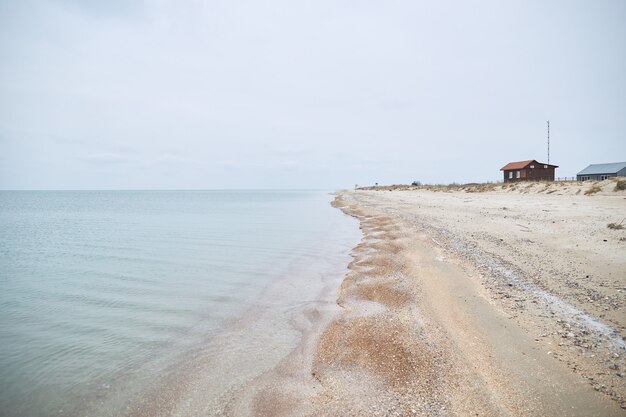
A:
[(304, 94)]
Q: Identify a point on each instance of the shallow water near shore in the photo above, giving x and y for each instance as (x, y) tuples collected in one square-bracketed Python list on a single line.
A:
[(104, 294)]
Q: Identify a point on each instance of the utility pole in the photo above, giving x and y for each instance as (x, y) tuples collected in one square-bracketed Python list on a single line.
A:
[(548, 142)]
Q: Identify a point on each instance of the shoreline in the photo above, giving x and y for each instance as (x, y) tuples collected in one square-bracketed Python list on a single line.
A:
[(229, 372), (504, 366), (429, 319)]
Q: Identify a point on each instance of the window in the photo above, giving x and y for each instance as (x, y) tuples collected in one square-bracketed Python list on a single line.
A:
[(584, 178), (510, 174), (545, 166), (604, 177), (517, 174), (532, 166)]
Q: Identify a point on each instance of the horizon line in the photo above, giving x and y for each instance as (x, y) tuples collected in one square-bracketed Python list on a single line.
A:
[(170, 189)]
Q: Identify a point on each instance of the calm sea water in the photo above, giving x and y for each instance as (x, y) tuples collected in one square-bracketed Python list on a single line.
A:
[(102, 291)]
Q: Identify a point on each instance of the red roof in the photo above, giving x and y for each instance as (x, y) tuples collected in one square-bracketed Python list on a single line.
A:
[(522, 165)]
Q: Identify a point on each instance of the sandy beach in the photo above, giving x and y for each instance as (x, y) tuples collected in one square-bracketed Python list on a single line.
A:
[(502, 302), (505, 302), (459, 301)]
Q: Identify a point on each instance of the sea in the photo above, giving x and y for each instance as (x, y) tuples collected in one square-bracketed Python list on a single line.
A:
[(104, 295)]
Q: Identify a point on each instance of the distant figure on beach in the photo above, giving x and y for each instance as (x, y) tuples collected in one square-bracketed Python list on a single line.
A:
[(356, 186)]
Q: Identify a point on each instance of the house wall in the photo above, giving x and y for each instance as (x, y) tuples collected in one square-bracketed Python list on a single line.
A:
[(538, 173), (593, 177), (600, 177)]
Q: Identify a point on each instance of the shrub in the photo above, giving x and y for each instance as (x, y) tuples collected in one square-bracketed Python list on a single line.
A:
[(620, 185)]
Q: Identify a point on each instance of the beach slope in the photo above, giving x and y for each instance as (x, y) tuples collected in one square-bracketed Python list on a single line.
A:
[(494, 303)]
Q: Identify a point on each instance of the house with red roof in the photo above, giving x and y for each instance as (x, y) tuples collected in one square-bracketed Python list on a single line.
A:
[(528, 171)]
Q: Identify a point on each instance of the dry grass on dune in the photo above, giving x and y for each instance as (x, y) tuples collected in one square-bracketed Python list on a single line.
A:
[(589, 188), (594, 189)]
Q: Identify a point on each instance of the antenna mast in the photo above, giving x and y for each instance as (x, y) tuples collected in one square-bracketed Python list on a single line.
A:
[(548, 142)]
